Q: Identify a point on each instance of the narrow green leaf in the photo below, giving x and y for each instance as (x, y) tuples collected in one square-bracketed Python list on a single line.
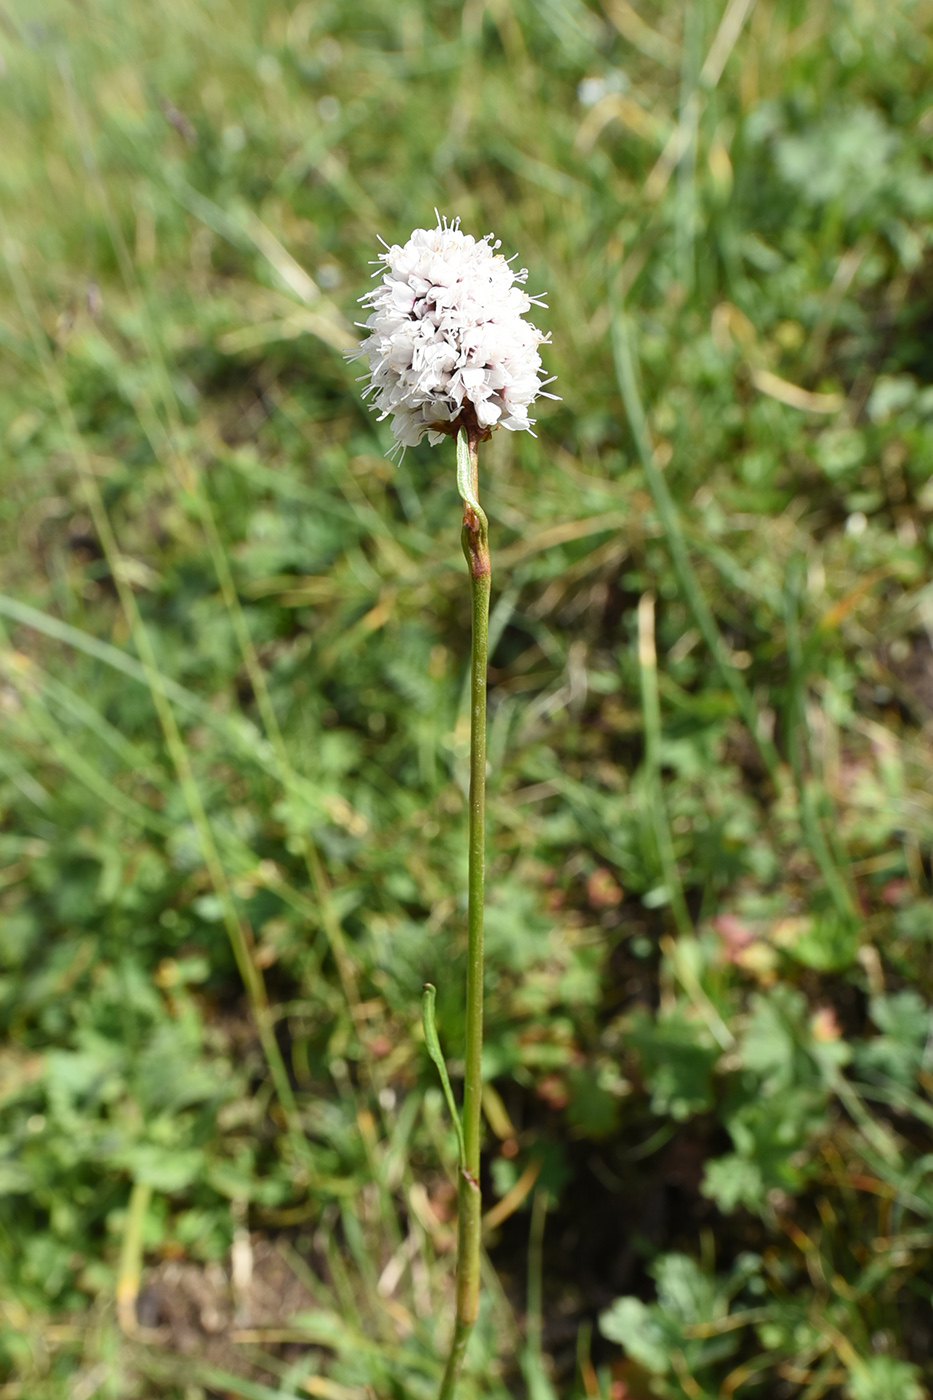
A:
[(434, 1050)]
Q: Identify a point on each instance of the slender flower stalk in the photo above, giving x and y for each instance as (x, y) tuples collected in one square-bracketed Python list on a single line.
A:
[(450, 354), (474, 538)]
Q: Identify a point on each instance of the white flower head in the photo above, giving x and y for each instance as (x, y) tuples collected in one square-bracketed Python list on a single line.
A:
[(448, 345)]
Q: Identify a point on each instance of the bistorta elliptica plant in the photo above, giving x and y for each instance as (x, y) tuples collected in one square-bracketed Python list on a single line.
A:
[(450, 354)]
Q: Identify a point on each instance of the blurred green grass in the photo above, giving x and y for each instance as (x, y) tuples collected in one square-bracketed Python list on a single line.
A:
[(233, 657)]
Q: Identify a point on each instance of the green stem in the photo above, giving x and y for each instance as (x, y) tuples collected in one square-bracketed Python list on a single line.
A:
[(474, 539), (796, 722), (534, 1306), (651, 718), (131, 1256)]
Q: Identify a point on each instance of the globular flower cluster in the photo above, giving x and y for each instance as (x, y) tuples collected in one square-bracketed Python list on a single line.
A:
[(448, 346)]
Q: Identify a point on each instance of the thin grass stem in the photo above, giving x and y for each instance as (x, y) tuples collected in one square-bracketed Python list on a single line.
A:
[(690, 588), (808, 788), (651, 719), (131, 1256), (534, 1320)]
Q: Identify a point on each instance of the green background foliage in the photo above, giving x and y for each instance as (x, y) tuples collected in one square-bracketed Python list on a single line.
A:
[(233, 649)]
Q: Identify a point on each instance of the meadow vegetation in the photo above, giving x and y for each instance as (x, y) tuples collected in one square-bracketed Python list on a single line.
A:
[(233, 660)]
